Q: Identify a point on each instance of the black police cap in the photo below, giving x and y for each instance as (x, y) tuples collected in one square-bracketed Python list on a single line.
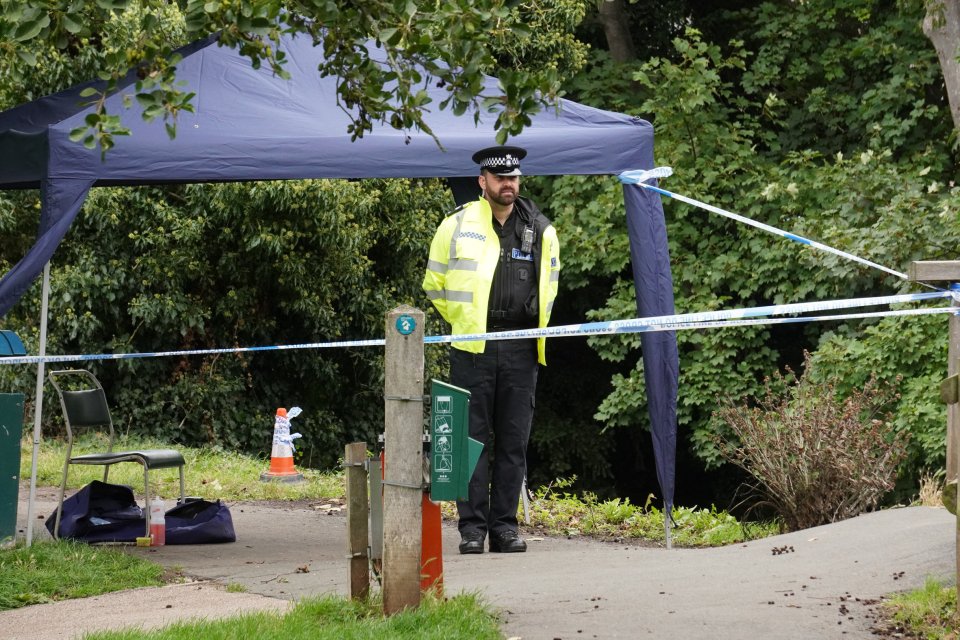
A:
[(501, 160)]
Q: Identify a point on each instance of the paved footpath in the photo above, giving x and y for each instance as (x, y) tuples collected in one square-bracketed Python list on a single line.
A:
[(817, 583)]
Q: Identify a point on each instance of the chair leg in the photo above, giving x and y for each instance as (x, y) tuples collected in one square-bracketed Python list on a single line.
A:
[(63, 487), (183, 495)]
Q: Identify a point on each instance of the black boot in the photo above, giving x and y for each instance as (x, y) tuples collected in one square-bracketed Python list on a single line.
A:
[(471, 542), (506, 542)]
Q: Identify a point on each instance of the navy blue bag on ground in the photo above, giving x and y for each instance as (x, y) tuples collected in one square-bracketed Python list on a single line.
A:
[(102, 512), (199, 522)]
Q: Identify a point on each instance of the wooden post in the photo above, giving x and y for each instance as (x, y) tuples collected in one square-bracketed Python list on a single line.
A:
[(403, 446), (953, 409), (948, 271), (354, 457)]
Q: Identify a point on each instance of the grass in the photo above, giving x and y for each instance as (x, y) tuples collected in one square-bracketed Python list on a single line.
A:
[(462, 617), (209, 473), (931, 489), (51, 571), (929, 613)]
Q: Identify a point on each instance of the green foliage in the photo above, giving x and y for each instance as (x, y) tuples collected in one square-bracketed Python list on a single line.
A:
[(595, 241), (814, 458), (566, 442), (57, 64), (836, 73), (212, 266), (61, 570), (606, 84), (541, 37), (556, 510), (825, 119)]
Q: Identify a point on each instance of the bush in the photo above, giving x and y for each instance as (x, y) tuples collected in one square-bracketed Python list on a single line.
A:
[(190, 267), (814, 457)]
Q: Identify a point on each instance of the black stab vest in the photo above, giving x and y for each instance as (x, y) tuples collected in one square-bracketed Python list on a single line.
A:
[(513, 293)]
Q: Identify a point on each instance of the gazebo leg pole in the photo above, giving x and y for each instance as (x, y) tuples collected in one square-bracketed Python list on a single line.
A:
[(38, 405)]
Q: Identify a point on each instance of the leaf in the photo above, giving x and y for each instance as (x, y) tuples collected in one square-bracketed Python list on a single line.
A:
[(31, 29), (72, 23), (390, 36), (147, 100), (77, 134), (27, 56), (113, 5)]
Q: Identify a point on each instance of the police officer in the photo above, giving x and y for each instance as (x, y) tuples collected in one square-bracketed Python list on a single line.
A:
[(494, 266)]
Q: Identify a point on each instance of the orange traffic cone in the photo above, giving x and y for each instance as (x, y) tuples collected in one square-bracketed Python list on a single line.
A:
[(281, 457)]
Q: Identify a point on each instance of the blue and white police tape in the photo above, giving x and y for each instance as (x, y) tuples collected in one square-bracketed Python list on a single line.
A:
[(638, 327), (696, 320), (190, 352), (639, 178), (676, 322)]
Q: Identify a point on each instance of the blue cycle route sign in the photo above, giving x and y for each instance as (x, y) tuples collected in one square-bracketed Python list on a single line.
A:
[(406, 324)]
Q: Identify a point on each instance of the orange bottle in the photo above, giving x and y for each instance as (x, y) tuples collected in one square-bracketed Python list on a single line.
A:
[(158, 525)]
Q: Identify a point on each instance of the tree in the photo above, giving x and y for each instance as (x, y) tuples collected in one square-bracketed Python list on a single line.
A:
[(619, 40), (383, 52), (942, 26)]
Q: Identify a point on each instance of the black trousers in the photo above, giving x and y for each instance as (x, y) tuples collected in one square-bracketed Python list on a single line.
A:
[(502, 382)]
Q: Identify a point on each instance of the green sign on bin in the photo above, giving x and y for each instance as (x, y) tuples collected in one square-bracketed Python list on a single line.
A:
[(453, 453)]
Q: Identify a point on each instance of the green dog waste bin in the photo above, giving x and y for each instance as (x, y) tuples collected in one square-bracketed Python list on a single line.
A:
[(11, 431), (454, 453)]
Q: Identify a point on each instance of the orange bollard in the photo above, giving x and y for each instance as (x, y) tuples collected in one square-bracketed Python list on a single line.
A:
[(431, 547), (281, 456)]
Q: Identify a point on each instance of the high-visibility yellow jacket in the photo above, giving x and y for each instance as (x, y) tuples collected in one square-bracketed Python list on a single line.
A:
[(463, 259)]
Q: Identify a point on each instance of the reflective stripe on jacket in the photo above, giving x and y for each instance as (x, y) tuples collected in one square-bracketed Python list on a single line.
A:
[(460, 269)]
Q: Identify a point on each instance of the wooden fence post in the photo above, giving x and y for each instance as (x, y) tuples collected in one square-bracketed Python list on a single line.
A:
[(354, 458), (403, 447), (948, 271)]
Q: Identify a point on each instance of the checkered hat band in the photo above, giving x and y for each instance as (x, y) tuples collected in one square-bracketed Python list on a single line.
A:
[(500, 161)]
